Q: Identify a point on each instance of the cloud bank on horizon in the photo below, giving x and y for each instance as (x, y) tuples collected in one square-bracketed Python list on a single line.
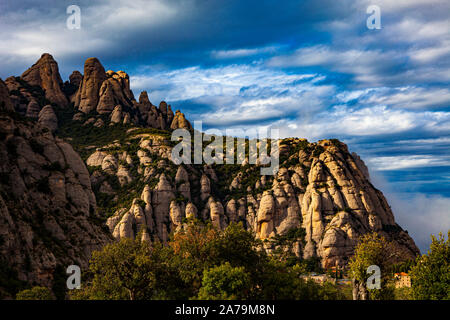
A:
[(311, 68)]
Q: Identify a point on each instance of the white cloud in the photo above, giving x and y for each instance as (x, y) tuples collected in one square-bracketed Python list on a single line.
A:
[(440, 140), (365, 65), (398, 5), (400, 97), (412, 30), (422, 215), (138, 13), (412, 47), (373, 67), (233, 80), (297, 103), (30, 44), (243, 52), (345, 121), (407, 161), (431, 54)]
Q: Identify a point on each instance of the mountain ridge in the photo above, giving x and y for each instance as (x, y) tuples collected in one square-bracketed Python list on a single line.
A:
[(320, 188)]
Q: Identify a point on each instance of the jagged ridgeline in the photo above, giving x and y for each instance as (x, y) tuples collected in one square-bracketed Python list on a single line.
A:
[(54, 200)]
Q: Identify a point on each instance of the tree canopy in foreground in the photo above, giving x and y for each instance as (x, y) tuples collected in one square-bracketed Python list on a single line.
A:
[(199, 262)]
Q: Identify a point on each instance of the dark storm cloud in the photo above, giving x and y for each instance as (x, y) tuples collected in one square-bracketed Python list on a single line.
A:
[(177, 33)]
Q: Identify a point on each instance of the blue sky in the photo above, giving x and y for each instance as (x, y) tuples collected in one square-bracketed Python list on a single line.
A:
[(311, 68)]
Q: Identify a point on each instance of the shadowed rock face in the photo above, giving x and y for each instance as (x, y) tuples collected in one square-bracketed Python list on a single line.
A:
[(88, 93), (45, 73), (47, 118), (47, 207), (76, 78), (5, 101)]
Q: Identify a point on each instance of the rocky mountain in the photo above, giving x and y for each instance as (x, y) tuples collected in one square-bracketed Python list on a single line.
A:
[(53, 198), (100, 97), (108, 93), (48, 210), (320, 187)]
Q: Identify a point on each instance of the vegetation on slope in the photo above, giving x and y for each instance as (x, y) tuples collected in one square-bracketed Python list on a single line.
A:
[(199, 262)]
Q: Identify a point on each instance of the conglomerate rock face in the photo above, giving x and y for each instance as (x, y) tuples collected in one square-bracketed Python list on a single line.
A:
[(5, 101), (320, 187), (47, 207), (47, 118), (50, 203), (87, 96), (109, 93), (45, 74), (95, 93)]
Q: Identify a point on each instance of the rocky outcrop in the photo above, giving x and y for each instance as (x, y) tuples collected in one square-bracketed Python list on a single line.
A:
[(147, 110), (320, 188), (96, 92), (321, 196), (87, 96), (205, 187), (123, 175), (361, 165), (180, 122), (191, 211), (102, 91), (109, 93), (76, 78), (216, 213), (47, 206), (182, 181), (115, 90), (163, 195), (5, 101), (265, 215), (33, 109), (340, 204), (96, 159), (27, 99), (47, 118), (176, 215), (45, 74), (116, 115)]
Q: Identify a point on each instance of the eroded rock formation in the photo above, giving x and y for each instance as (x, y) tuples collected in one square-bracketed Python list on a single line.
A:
[(45, 74), (47, 206), (320, 187)]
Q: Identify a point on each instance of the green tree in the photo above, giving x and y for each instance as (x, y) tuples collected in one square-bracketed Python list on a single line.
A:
[(280, 282), (284, 246), (35, 293), (430, 277), (225, 283), (201, 247), (192, 253), (372, 249), (404, 293), (121, 270), (312, 264), (200, 262), (239, 247), (331, 291)]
